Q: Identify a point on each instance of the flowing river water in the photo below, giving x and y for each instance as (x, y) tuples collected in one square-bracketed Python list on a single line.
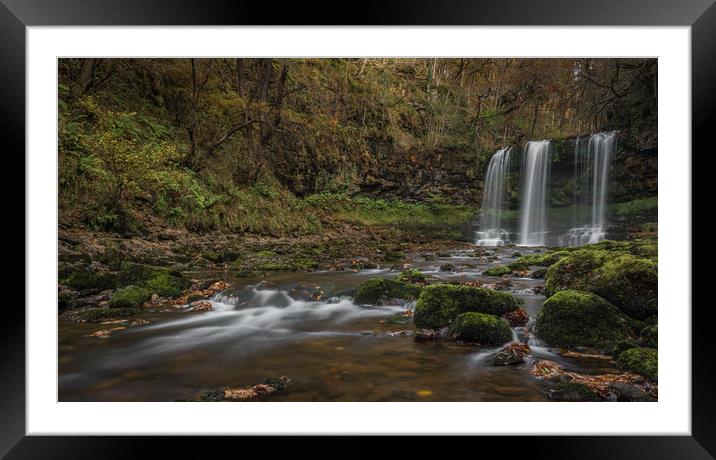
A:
[(332, 350)]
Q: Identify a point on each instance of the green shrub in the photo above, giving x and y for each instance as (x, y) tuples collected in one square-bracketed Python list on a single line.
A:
[(650, 337), (480, 328), (439, 304), (580, 319)]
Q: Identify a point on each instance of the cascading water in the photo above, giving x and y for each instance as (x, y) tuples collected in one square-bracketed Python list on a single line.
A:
[(592, 161), (492, 231), (535, 177)]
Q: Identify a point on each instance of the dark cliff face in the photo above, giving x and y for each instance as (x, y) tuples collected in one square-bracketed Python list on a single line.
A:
[(454, 173), (414, 175)]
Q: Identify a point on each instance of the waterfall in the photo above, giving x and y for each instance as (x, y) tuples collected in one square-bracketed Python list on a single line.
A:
[(535, 177), (592, 161), (492, 231)]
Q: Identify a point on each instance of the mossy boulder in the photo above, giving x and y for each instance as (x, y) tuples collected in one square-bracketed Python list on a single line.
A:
[(580, 319), (371, 291), (166, 285), (480, 328), (650, 337), (544, 260), (518, 266), (129, 297), (642, 361), (498, 270), (102, 314), (630, 283), (575, 271), (439, 304), (572, 392), (89, 280), (411, 276), (156, 280), (394, 256), (539, 273)]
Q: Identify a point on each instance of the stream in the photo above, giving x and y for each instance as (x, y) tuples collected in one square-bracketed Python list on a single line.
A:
[(331, 350)]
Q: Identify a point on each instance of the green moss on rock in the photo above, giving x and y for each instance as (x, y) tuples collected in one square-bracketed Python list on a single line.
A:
[(87, 280), (157, 280), (167, 285), (642, 361), (575, 271), (498, 270), (544, 260), (481, 328), (439, 304), (518, 266), (371, 291), (630, 283), (129, 297), (580, 319), (101, 314), (572, 392), (394, 256), (411, 276)]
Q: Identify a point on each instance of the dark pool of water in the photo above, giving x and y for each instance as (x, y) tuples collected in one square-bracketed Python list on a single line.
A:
[(332, 350)]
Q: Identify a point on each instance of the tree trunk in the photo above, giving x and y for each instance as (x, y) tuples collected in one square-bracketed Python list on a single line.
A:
[(87, 75), (240, 76)]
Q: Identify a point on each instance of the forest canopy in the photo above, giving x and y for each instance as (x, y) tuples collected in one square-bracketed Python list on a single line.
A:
[(274, 145)]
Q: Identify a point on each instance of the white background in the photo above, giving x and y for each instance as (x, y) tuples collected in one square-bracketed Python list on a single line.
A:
[(671, 415)]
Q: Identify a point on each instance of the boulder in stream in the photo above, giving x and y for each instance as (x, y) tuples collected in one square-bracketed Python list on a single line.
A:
[(440, 304), (573, 319), (480, 328)]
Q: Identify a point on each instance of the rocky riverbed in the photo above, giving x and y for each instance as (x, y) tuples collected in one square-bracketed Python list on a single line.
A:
[(441, 321)]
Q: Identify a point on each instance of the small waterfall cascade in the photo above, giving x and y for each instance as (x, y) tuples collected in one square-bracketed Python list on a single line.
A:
[(492, 229), (592, 162), (535, 177)]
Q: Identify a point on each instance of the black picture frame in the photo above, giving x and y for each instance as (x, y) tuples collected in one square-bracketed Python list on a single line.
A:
[(16, 15)]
